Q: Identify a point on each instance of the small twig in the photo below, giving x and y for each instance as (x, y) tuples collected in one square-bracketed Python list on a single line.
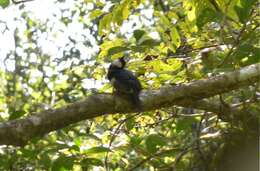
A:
[(236, 43), (248, 101), (152, 156), (22, 1), (200, 48), (190, 115), (161, 121), (198, 143), (171, 117), (224, 21), (6, 27), (114, 136), (177, 159), (181, 154)]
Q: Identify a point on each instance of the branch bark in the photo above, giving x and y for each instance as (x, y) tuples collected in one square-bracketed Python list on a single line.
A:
[(19, 132)]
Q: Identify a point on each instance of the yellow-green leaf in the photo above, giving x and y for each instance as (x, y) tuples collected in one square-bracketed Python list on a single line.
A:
[(4, 3), (104, 24), (96, 13), (176, 40)]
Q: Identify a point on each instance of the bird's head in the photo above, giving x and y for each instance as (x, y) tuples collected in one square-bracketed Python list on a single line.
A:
[(119, 63)]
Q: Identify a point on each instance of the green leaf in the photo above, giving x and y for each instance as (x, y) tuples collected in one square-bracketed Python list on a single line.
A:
[(106, 45), (252, 59), (27, 153), (174, 63), (96, 150), (117, 15), (160, 66), (207, 15), (121, 12), (100, 4), (165, 77), (185, 124), (75, 148), (243, 51), (176, 40), (117, 49), (91, 162), (138, 34), (191, 14), (96, 13), (104, 24), (243, 8), (125, 10), (135, 141), (130, 123), (153, 142), (63, 163), (78, 141), (16, 114), (4, 3), (150, 42), (45, 159), (163, 19), (138, 48), (246, 54)]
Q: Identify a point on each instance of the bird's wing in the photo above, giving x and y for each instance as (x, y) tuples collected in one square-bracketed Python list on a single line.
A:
[(126, 81)]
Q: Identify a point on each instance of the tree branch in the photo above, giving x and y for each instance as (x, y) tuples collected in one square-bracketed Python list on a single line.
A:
[(22, 1), (18, 132)]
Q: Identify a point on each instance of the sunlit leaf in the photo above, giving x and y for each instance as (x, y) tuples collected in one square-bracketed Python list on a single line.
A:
[(117, 15), (191, 13), (96, 13), (104, 24), (125, 10), (176, 40)]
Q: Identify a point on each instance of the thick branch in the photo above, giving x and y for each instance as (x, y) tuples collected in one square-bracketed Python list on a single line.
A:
[(18, 132)]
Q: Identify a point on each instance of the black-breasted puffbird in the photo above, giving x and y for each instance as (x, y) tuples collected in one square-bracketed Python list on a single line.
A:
[(124, 81)]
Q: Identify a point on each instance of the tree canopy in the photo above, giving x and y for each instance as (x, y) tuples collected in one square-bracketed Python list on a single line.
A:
[(198, 63)]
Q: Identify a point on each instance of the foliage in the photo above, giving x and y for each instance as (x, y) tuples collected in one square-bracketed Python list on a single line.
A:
[(63, 58)]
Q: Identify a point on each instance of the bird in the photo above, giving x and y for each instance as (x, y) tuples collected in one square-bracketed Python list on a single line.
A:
[(124, 82)]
